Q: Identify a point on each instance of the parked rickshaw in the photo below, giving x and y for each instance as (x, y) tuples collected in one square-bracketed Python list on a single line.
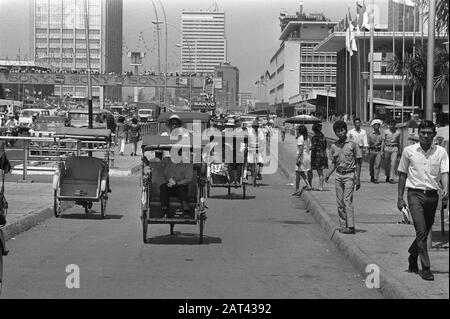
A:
[(153, 177), (79, 177), (229, 172)]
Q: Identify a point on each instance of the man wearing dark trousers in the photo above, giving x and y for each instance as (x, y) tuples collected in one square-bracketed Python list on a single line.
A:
[(178, 177), (422, 167)]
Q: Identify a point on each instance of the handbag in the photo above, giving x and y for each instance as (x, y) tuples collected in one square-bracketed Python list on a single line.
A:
[(3, 202)]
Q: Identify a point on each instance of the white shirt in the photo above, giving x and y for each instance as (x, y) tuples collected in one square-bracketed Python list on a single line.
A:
[(423, 169), (359, 138)]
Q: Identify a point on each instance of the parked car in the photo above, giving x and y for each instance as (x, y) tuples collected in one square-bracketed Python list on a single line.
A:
[(25, 117), (80, 118)]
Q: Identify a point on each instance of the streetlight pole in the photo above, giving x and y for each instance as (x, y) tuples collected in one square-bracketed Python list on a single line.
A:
[(165, 72), (88, 60), (157, 23), (328, 88), (365, 75), (430, 61)]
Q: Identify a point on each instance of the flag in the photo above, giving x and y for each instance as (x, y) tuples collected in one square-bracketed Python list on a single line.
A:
[(352, 40), (347, 36), (363, 17), (409, 3)]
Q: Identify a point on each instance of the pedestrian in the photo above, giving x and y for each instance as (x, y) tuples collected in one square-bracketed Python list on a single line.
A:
[(134, 134), (375, 141), (283, 132), (121, 134), (346, 160), (358, 135), (423, 170), (319, 159), (111, 122), (303, 161), (389, 149)]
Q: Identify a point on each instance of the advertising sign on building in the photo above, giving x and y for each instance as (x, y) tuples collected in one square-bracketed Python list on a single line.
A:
[(203, 106), (217, 83)]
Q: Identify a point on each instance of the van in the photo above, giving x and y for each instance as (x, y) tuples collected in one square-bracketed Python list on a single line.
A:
[(26, 115), (80, 118)]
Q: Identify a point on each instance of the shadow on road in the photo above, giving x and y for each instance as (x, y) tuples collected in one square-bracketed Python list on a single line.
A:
[(232, 196), (92, 216), (183, 239)]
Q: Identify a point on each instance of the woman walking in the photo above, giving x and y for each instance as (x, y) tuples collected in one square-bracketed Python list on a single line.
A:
[(303, 163), (134, 134), (121, 134), (319, 159)]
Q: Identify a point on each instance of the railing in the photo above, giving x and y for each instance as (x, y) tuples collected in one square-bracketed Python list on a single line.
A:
[(46, 150)]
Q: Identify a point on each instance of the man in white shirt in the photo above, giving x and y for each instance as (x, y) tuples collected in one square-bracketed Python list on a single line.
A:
[(358, 135), (423, 169)]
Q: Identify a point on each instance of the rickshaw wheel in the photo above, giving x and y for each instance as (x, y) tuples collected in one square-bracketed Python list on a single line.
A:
[(243, 190), (103, 201), (171, 228), (254, 175), (87, 207), (208, 189), (201, 222), (229, 190), (144, 227), (1, 269), (56, 205)]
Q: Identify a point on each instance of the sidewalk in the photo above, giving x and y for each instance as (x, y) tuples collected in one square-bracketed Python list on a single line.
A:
[(31, 202), (379, 239)]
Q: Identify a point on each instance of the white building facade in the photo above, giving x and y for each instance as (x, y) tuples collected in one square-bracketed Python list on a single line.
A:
[(204, 43)]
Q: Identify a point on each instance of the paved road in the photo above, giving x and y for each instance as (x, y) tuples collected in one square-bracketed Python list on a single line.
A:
[(268, 247)]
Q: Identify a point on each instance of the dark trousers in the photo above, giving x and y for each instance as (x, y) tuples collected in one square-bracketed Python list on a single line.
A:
[(181, 191), (423, 209)]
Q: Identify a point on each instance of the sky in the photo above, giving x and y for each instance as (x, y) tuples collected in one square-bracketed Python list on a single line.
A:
[(251, 26)]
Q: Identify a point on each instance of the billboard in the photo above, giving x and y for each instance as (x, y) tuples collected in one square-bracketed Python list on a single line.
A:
[(203, 106)]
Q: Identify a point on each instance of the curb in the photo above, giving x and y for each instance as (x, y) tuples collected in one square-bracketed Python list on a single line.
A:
[(30, 220), (390, 287)]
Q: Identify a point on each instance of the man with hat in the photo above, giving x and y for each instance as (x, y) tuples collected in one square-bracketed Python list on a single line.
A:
[(375, 141), (12, 125)]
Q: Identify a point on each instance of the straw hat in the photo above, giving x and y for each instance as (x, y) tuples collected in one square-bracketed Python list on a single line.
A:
[(376, 121)]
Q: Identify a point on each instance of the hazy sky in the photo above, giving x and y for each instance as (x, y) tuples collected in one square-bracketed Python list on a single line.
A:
[(252, 29)]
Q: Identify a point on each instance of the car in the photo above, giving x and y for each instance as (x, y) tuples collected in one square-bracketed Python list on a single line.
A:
[(80, 118), (145, 115)]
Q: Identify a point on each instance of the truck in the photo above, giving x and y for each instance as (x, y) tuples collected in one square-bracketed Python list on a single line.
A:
[(147, 111)]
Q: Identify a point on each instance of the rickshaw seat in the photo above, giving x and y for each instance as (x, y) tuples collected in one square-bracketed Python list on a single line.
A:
[(84, 168)]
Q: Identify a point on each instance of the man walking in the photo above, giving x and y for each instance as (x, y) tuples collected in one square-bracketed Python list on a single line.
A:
[(421, 166), (358, 135), (346, 160), (375, 141), (389, 149)]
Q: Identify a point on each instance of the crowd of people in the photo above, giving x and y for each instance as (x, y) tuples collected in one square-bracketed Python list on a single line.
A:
[(423, 171)]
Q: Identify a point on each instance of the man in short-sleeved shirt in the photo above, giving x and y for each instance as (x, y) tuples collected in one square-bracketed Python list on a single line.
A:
[(358, 135), (389, 149), (346, 160), (423, 171)]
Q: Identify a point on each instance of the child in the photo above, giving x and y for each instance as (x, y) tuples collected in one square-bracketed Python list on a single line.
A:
[(346, 160)]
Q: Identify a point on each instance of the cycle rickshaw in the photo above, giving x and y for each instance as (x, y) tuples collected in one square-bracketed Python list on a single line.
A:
[(231, 171), (153, 177), (79, 177)]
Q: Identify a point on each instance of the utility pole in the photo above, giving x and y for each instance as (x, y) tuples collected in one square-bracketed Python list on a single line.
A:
[(430, 61), (165, 59), (157, 22), (88, 60)]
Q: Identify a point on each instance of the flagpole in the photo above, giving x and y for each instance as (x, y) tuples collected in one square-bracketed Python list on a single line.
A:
[(421, 42), (403, 60), (414, 49), (372, 32), (393, 56), (346, 80)]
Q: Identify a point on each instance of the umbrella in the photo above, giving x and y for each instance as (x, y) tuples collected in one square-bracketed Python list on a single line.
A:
[(303, 119)]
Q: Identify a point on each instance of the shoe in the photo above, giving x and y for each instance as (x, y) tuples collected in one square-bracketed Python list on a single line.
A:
[(372, 179), (391, 181), (388, 179), (347, 230), (375, 181), (121, 153), (412, 261), (426, 274)]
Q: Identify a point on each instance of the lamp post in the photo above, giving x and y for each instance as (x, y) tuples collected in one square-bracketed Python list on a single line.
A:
[(365, 76), (430, 61), (328, 88), (157, 23)]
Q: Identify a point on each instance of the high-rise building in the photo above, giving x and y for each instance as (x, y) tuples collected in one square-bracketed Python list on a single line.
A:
[(58, 38), (228, 95), (398, 11), (204, 42)]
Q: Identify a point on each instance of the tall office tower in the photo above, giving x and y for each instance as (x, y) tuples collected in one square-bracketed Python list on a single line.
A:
[(396, 14), (58, 38), (204, 42)]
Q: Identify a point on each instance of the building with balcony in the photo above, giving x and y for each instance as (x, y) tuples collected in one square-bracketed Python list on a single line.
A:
[(204, 45), (295, 69), (58, 38)]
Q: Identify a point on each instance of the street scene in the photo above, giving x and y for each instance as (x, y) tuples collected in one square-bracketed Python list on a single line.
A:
[(213, 150)]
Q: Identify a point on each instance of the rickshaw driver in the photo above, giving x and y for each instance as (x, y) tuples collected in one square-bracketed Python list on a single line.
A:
[(178, 177), (256, 140), (175, 125)]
